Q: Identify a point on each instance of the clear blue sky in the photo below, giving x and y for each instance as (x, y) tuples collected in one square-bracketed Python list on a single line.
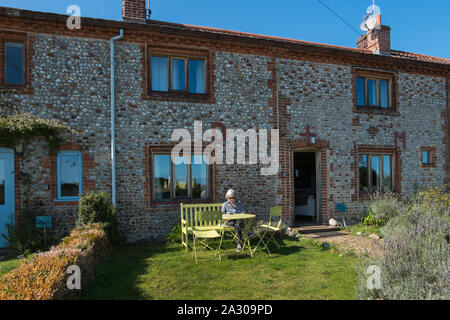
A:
[(417, 25)]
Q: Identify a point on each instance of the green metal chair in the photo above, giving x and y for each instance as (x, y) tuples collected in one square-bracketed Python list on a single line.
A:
[(207, 227), (267, 232), (248, 226)]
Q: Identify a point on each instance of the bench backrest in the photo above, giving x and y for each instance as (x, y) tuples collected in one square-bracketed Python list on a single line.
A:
[(208, 218), (188, 211)]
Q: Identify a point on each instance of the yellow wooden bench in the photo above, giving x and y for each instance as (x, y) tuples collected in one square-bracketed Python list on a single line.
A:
[(188, 215)]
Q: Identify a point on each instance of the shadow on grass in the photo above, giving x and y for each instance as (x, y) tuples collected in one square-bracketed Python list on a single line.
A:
[(135, 271), (238, 256), (118, 276)]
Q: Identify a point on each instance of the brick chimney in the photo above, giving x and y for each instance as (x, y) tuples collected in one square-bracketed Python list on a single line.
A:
[(378, 40), (134, 10)]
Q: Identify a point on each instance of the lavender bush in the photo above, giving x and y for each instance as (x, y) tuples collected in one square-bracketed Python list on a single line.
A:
[(415, 263), (386, 205)]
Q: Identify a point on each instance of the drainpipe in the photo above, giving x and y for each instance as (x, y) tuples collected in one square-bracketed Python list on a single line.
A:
[(113, 125)]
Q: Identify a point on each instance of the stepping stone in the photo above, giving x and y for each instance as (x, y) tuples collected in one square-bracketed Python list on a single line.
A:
[(325, 234)]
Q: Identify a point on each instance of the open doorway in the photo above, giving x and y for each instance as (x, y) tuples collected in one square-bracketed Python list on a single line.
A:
[(305, 188)]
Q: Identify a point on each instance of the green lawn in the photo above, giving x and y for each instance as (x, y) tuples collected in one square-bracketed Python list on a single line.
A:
[(8, 265), (365, 230), (299, 270)]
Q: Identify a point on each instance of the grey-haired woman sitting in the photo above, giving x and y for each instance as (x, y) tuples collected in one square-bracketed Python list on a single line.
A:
[(232, 206)]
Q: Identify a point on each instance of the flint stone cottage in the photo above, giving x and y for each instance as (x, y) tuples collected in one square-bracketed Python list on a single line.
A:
[(350, 120)]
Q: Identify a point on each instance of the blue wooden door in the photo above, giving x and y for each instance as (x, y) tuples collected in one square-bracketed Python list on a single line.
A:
[(6, 192)]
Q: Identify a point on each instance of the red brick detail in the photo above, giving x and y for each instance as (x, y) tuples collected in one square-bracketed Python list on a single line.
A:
[(87, 167), (134, 10), (27, 40), (400, 137), (376, 40), (148, 178), (377, 73), (372, 131), (446, 141), (161, 33), (433, 154), (375, 149), (279, 120), (286, 176)]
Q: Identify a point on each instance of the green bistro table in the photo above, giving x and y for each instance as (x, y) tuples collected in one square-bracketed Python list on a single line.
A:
[(248, 225)]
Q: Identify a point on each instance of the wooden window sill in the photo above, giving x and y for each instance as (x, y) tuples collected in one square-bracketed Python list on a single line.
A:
[(177, 202), (179, 97), (376, 110)]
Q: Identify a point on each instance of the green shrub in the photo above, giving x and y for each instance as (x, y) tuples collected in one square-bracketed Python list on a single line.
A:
[(370, 220), (96, 207), (24, 237), (175, 235), (22, 127), (434, 198)]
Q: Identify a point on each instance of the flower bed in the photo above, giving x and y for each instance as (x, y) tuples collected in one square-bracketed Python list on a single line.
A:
[(45, 276)]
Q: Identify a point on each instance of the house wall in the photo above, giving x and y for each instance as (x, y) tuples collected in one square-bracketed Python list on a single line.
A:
[(320, 96), (253, 88)]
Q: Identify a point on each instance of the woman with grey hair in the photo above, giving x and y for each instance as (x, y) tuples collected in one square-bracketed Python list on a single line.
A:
[(231, 206)]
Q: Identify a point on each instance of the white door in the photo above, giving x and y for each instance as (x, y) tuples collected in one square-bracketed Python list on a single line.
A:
[(6, 192)]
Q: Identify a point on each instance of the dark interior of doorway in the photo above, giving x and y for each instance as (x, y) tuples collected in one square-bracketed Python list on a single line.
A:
[(305, 192)]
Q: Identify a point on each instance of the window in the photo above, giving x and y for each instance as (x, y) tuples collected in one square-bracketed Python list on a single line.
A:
[(178, 74), (375, 172), (178, 180), (373, 92), (428, 156), (14, 63), (69, 175)]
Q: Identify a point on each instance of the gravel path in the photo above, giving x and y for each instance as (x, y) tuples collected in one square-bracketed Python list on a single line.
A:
[(360, 245)]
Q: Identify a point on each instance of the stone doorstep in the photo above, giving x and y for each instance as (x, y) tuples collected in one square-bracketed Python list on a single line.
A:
[(315, 229), (325, 234)]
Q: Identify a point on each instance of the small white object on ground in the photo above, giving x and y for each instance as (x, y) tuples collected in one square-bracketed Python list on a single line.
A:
[(374, 236), (332, 222)]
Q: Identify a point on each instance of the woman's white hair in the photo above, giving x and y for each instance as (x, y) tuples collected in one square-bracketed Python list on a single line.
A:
[(230, 193)]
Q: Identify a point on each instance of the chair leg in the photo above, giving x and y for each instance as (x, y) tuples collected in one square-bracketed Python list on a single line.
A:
[(266, 246), (220, 245), (195, 251), (260, 240), (249, 247), (265, 243), (272, 239)]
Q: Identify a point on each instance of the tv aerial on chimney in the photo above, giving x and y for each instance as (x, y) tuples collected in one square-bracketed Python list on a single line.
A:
[(370, 20)]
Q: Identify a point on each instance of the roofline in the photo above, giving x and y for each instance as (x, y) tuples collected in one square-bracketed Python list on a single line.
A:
[(148, 25)]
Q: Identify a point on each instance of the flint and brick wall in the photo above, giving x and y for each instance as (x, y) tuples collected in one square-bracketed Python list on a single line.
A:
[(252, 88)]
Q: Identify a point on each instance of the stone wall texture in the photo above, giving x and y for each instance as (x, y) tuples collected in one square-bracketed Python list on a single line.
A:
[(71, 78)]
